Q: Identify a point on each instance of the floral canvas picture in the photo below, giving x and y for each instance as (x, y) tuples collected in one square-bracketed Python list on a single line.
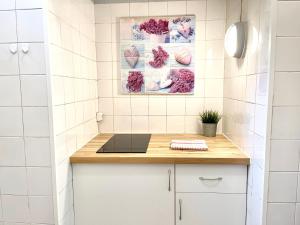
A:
[(157, 55)]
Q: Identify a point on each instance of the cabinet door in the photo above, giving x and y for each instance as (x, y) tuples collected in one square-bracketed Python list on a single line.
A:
[(210, 209), (124, 194)]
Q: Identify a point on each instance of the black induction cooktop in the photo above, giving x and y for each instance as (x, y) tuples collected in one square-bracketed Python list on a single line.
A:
[(126, 143)]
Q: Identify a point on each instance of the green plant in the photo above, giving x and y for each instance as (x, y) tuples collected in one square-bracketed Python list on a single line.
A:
[(210, 116)]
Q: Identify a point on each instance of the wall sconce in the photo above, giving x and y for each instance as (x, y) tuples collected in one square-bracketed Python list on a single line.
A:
[(235, 40)]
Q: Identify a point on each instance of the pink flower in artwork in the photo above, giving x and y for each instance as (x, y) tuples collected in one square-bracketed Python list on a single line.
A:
[(135, 81), (160, 57), (183, 80), (155, 27)]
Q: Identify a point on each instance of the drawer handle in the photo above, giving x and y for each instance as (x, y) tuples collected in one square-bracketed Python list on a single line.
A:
[(180, 210), (210, 179), (169, 172)]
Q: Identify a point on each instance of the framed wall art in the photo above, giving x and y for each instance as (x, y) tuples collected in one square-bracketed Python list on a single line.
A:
[(157, 55)]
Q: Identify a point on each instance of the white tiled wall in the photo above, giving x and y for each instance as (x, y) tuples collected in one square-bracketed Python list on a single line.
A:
[(72, 58), (160, 114), (245, 97), (25, 160), (284, 182)]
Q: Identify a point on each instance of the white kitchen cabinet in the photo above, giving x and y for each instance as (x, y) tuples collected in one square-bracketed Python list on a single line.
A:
[(210, 209), (142, 194), (124, 194)]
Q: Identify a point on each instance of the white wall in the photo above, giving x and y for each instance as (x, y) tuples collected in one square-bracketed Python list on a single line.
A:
[(73, 77), (160, 114), (284, 176), (246, 97), (25, 157)]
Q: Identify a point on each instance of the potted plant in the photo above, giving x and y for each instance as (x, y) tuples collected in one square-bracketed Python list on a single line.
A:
[(210, 121)]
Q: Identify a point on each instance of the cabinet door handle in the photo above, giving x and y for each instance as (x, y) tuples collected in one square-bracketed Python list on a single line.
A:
[(180, 210), (169, 172), (211, 179)]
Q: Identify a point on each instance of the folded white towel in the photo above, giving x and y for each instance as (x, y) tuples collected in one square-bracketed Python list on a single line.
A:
[(198, 145), (188, 141)]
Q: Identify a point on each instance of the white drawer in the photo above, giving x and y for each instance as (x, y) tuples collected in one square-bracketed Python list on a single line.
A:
[(211, 178)]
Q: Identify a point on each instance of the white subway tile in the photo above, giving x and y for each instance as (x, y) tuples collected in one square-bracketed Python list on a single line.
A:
[(281, 213), (194, 106), (66, 33), (7, 4), (122, 106), (298, 191), (32, 62), (12, 151), (103, 13), (158, 8), (261, 120), (213, 104), (11, 121), (119, 10), (8, 61), (214, 69), (175, 106), (106, 106), (214, 88), (215, 49), (192, 125), (34, 90), (250, 88), (36, 121), (41, 209), (29, 4), (8, 27), (197, 8), (262, 88), (176, 7), (288, 22), (103, 32), (10, 94), (37, 151), (59, 119), (105, 88), (139, 106), (107, 124), (15, 208), (216, 9), (138, 8), (297, 219), (157, 124), (175, 124), (200, 30), (157, 106), (30, 25), (13, 180), (287, 54), (285, 155), (122, 124), (286, 89), (286, 123), (282, 187), (215, 29), (140, 124), (39, 181)]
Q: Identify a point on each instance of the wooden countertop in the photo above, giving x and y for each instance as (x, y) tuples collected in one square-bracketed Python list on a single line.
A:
[(220, 151)]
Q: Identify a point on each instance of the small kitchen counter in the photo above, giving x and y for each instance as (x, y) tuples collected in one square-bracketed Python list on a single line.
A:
[(220, 151)]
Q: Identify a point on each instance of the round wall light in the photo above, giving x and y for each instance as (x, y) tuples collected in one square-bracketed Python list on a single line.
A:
[(235, 40)]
